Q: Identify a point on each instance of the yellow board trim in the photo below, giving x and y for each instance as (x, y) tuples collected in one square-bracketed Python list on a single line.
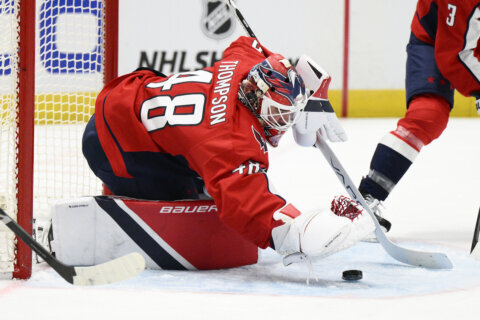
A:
[(390, 104), (78, 107), (75, 107)]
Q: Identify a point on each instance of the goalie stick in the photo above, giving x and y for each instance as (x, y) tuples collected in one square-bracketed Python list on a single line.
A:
[(433, 260), (415, 258), (240, 18), (112, 271)]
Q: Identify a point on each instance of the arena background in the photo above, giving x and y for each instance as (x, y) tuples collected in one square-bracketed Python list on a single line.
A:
[(189, 33), (367, 63)]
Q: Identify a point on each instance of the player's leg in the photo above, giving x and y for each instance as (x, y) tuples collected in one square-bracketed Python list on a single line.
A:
[(429, 100), (425, 120), (155, 176)]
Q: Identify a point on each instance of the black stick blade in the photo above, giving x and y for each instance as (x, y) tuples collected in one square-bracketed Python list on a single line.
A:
[(476, 235), (116, 270)]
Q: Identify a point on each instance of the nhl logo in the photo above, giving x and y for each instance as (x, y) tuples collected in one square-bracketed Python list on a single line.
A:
[(217, 22)]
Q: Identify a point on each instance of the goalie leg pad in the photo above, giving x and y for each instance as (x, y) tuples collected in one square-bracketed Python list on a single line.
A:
[(176, 235)]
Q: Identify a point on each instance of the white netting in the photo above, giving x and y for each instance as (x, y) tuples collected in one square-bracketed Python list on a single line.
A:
[(69, 75)]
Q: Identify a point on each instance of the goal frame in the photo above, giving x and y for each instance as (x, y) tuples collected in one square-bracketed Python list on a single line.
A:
[(26, 115)]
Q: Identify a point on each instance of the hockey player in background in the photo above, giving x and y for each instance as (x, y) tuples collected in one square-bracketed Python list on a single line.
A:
[(442, 55), (205, 133)]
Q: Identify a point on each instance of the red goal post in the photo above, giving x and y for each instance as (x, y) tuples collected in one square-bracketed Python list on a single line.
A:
[(56, 57)]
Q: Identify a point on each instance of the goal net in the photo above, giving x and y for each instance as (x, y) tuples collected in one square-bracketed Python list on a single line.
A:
[(70, 69)]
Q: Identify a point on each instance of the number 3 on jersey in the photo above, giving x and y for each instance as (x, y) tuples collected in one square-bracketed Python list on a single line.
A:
[(452, 9), (180, 110)]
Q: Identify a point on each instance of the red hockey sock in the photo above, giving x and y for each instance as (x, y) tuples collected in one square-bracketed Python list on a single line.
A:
[(426, 117)]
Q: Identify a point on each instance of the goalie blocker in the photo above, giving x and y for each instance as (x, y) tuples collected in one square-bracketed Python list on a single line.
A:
[(179, 235)]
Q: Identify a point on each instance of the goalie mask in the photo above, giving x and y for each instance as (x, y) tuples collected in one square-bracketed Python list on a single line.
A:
[(276, 95)]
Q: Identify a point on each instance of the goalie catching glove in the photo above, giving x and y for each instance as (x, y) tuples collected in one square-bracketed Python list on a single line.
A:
[(320, 233), (318, 115)]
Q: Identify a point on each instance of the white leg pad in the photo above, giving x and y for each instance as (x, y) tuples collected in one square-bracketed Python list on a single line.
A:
[(179, 235), (96, 237)]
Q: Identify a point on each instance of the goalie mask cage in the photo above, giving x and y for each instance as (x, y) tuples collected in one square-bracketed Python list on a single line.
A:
[(55, 56)]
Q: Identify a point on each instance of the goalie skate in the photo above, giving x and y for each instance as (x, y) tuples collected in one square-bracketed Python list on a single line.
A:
[(42, 233)]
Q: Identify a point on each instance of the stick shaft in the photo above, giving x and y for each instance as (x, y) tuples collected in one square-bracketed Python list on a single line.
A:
[(432, 260), (65, 271), (240, 18)]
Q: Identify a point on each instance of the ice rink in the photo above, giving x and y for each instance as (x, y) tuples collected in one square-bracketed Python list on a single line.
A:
[(433, 208)]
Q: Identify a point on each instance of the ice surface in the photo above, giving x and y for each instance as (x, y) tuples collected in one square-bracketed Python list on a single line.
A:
[(433, 208)]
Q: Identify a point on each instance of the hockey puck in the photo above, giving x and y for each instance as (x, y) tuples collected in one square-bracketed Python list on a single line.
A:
[(352, 275)]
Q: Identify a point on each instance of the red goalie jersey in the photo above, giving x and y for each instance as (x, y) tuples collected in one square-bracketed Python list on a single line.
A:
[(198, 116), (453, 27)]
